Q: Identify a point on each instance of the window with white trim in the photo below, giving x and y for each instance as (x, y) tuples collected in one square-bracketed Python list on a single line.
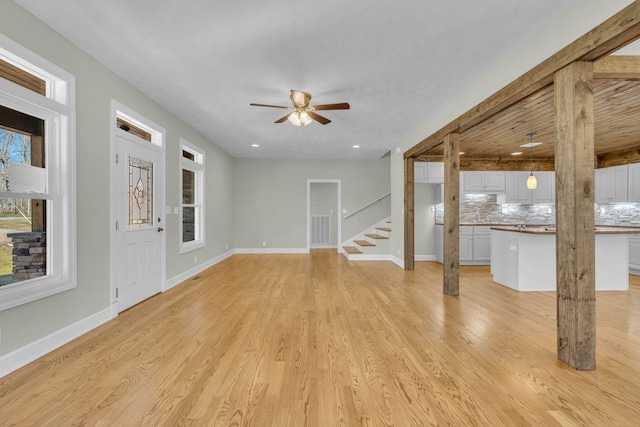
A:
[(192, 197), (37, 170)]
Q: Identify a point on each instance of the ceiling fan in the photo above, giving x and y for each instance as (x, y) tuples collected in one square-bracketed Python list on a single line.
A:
[(304, 113)]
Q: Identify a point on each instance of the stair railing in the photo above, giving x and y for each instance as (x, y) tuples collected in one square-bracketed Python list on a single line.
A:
[(367, 205)]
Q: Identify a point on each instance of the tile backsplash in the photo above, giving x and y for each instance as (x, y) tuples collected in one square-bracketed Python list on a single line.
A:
[(483, 208)]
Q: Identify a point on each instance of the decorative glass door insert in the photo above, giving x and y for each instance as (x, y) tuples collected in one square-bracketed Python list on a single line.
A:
[(140, 193)]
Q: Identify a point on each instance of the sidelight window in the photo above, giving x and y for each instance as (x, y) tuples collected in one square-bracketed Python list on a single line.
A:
[(192, 200)]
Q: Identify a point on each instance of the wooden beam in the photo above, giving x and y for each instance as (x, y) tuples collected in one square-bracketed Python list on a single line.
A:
[(575, 237), (617, 68), (496, 164), (618, 158), (615, 32), (409, 246), (451, 252)]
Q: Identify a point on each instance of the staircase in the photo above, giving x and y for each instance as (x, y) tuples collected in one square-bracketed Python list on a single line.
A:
[(371, 245)]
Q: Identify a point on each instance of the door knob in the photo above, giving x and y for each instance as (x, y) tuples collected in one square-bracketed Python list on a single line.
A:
[(160, 229)]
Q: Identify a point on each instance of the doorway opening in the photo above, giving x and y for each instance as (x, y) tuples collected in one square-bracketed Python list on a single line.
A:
[(324, 207)]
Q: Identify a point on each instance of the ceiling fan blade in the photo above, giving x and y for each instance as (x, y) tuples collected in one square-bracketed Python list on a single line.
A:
[(318, 118), (282, 119), (267, 105), (339, 106)]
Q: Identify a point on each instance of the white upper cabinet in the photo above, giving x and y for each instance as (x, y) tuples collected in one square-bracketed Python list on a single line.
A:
[(633, 190), (611, 184), (516, 190), (428, 173), (419, 172), (546, 190), (483, 182), (435, 173)]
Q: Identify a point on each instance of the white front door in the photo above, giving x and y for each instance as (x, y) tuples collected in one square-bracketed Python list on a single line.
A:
[(139, 226)]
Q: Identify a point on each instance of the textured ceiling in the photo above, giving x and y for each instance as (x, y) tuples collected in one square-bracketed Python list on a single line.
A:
[(395, 62)]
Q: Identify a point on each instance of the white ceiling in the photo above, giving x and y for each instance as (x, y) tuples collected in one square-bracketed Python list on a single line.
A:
[(395, 62)]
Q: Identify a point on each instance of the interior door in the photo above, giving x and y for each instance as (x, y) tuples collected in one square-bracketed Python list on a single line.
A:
[(139, 224)]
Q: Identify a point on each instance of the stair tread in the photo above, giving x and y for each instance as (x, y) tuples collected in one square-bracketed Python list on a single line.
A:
[(351, 250), (363, 243), (387, 229), (376, 236)]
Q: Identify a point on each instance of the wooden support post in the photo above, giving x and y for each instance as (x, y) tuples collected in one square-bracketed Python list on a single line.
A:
[(575, 237), (451, 276), (38, 207), (409, 247)]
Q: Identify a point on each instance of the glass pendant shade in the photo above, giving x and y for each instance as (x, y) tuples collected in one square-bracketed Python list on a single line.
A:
[(295, 119), (304, 118), (532, 182)]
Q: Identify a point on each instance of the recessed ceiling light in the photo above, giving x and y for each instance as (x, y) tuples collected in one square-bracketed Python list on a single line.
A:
[(356, 146), (461, 153), (531, 144), (516, 153), (255, 145)]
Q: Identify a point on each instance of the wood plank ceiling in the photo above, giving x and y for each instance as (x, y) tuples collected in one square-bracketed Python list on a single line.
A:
[(489, 144)]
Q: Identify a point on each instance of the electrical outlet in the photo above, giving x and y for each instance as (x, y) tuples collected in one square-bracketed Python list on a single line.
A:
[(226, 246), (264, 243), (195, 258)]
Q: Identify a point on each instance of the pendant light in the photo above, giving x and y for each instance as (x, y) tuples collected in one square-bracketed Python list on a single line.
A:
[(532, 182)]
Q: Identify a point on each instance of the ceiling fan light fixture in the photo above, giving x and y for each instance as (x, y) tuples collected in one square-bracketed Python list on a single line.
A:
[(295, 119), (304, 117)]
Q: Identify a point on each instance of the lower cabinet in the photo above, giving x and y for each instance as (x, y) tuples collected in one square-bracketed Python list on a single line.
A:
[(482, 244), (466, 243), (634, 252), (475, 244)]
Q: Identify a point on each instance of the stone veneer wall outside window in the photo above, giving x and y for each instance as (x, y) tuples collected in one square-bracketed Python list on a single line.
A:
[(29, 255)]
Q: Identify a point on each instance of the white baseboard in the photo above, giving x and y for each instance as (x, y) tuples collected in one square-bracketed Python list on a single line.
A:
[(397, 261), (170, 283), (425, 258), (32, 351), (271, 251)]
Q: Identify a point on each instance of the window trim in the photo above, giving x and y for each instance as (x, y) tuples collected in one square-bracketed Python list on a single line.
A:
[(57, 108), (197, 166)]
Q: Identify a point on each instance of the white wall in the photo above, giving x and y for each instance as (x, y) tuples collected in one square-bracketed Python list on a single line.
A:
[(575, 21), (29, 324), (424, 218), (271, 198)]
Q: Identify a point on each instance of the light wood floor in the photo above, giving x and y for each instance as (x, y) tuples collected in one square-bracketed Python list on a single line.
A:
[(295, 340)]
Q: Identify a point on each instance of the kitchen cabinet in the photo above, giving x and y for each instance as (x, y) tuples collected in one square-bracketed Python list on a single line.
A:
[(474, 241), (546, 190), (525, 259), (516, 190), (428, 173), (634, 252), (633, 181), (482, 243), (482, 182), (466, 243), (611, 184)]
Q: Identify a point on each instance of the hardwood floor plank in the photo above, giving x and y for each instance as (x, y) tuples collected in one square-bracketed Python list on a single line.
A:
[(316, 340)]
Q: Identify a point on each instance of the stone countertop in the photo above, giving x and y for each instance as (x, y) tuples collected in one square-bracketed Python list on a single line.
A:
[(546, 230)]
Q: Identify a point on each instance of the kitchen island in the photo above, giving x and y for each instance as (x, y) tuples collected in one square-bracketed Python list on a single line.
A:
[(524, 259)]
